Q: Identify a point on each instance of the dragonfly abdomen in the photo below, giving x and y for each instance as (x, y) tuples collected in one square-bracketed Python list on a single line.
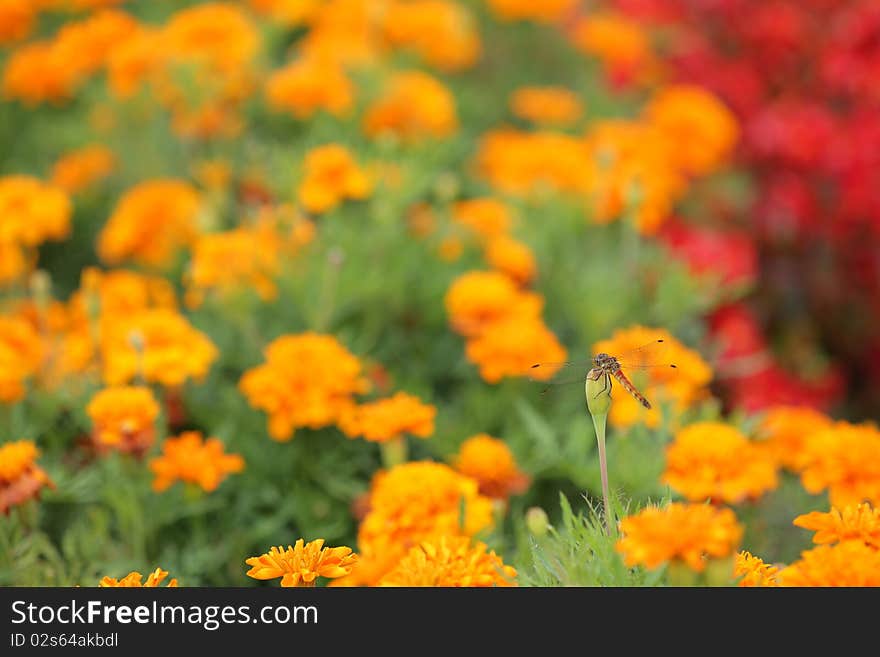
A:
[(629, 387)]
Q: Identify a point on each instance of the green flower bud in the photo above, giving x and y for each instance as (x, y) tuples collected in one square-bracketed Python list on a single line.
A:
[(598, 390), (537, 521)]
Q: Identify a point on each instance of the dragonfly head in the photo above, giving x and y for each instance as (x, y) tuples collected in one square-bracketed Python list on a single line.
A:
[(601, 359)]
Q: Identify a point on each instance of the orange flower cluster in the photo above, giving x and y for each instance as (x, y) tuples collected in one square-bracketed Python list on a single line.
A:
[(784, 430), (450, 561), (844, 459), (79, 169), (505, 332), (123, 419), (649, 371), (490, 462), (713, 461), (21, 479), (17, 19), (31, 212), (150, 223), (545, 11), (387, 419), (302, 563), (621, 44), (308, 380), (331, 176), (854, 523), (308, 85), (546, 105), (414, 106), (21, 355), (441, 32), (849, 563), (686, 533), (133, 580), (411, 503), (192, 459)]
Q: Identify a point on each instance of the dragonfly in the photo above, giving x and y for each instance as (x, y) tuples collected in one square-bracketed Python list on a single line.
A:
[(648, 357)]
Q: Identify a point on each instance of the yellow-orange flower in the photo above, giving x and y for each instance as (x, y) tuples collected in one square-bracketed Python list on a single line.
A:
[(490, 461), (859, 523), (32, 211), (845, 459), (21, 479), (308, 85), (123, 419), (308, 380), (21, 354), (134, 61), (443, 33), (302, 563), (347, 32), (785, 429), (218, 34), (546, 105), (386, 419), (81, 168), (649, 371), (511, 257), (526, 163), (150, 223), (487, 217), (478, 299), (17, 19), (133, 580), (157, 344), (713, 461), (13, 262), (192, 459), (689, 533), (620, 43), (511, 346), (450, 561), (417, 501), (850, 563), (753, 571), (704, 130), (414, 106), (545, 11), (36, 73), (331, 176)]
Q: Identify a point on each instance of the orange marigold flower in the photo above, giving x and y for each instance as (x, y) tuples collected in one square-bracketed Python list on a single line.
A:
[(13, 263), (487, 217), (478, 299), (511, 257), (158, 344), (80, 168), (689, 533), (546, 105), (219, 34), (123, 419), (443, 33), (190, 458), (301, 564), (753, 571), (308, 380), (860, 523), (850, 563), (308, 85), (450, 561), (511, 346), (413, 106), (21, 354), (621, 44), (150, 223), (133, 61), (785, 429), (346, 32), (490, 461), (845, 459), (545, 11), (386, 419), (17, 19), (21, 479), (704, 130), (417, 501), (713, 461), (331, 176), (84, 46), (32, 211), (683, 385), (525, 163), (133, 580)]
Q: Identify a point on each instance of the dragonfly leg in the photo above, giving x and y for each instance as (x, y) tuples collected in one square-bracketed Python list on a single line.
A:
[(606, 385)]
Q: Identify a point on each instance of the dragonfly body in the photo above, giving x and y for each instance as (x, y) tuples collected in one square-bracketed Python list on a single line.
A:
[(609, 366)]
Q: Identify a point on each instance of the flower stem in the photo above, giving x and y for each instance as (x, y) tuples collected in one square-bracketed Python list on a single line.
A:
[(394, 452), (599, 425)]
